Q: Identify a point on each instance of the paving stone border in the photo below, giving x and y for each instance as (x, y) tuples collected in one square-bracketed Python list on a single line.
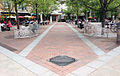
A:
[(33, 67), (96, 50), (94, 65)]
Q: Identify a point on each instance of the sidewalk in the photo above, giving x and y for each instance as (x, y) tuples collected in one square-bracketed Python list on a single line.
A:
[(112, 68), (9, 67), (94, 56)]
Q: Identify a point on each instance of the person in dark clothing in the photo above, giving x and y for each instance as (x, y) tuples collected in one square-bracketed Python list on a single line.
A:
[(3, 28), (76, 21), (81, 24)]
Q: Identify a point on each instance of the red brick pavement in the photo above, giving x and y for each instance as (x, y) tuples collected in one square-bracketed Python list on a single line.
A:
[(106, 44), (61, 40), (7, 38)]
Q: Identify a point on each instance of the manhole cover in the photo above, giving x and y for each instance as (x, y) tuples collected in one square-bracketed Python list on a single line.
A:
[(62, 60)]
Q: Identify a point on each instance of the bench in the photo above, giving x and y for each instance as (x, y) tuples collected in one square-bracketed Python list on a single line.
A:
[(25, 32)]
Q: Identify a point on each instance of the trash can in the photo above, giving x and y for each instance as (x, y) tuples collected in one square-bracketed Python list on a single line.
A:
[(118, 32)]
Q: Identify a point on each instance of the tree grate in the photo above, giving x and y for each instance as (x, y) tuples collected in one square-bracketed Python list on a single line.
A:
[(62, 60)]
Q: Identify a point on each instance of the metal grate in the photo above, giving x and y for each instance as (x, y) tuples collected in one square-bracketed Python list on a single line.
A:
[(62, 60)]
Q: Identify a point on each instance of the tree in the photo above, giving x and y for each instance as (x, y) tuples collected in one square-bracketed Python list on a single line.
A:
[(74, 7), (103, 6), (7, 6), (16, 2), (43, 6)]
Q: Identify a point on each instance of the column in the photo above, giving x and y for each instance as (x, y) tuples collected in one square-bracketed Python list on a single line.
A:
[(51, 19), (41, 18)]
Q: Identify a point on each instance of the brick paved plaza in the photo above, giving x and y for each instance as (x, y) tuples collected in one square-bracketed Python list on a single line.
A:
[(94, 56)]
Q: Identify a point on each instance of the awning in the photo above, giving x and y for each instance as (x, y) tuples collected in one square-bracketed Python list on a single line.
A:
[(2, 17), (11, 17), (20, 17), (56, 13), (34, 14), (23, 14), (90, 17), (27, 16), (33, 17)]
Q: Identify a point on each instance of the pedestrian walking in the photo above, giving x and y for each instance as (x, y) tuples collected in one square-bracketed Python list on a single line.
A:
[(9, 25), (35, 26), (81, 24)]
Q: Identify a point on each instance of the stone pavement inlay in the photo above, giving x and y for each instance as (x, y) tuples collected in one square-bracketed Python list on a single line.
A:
[(61, 40)]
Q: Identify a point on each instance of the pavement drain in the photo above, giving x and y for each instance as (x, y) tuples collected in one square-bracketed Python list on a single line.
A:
[(62, 60)]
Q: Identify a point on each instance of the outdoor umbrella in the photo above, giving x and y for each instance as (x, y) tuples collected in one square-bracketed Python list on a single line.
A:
[(20, 17), (27, 16), (11, 17)]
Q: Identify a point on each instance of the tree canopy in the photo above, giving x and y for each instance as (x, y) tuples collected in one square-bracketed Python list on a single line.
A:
[(44, 6)]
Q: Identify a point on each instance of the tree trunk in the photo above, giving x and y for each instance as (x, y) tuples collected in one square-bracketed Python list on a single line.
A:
[(86, 15), (18, 27), (77, 15), (9, 14), (9, 10), (37, 12), (103, 16)]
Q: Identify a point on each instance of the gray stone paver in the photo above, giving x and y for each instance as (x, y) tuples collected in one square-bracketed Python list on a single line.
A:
[(11, 68), (113, 53), (96, 64), (70, 74), (109, 69), (83, 71), (33, 67)]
